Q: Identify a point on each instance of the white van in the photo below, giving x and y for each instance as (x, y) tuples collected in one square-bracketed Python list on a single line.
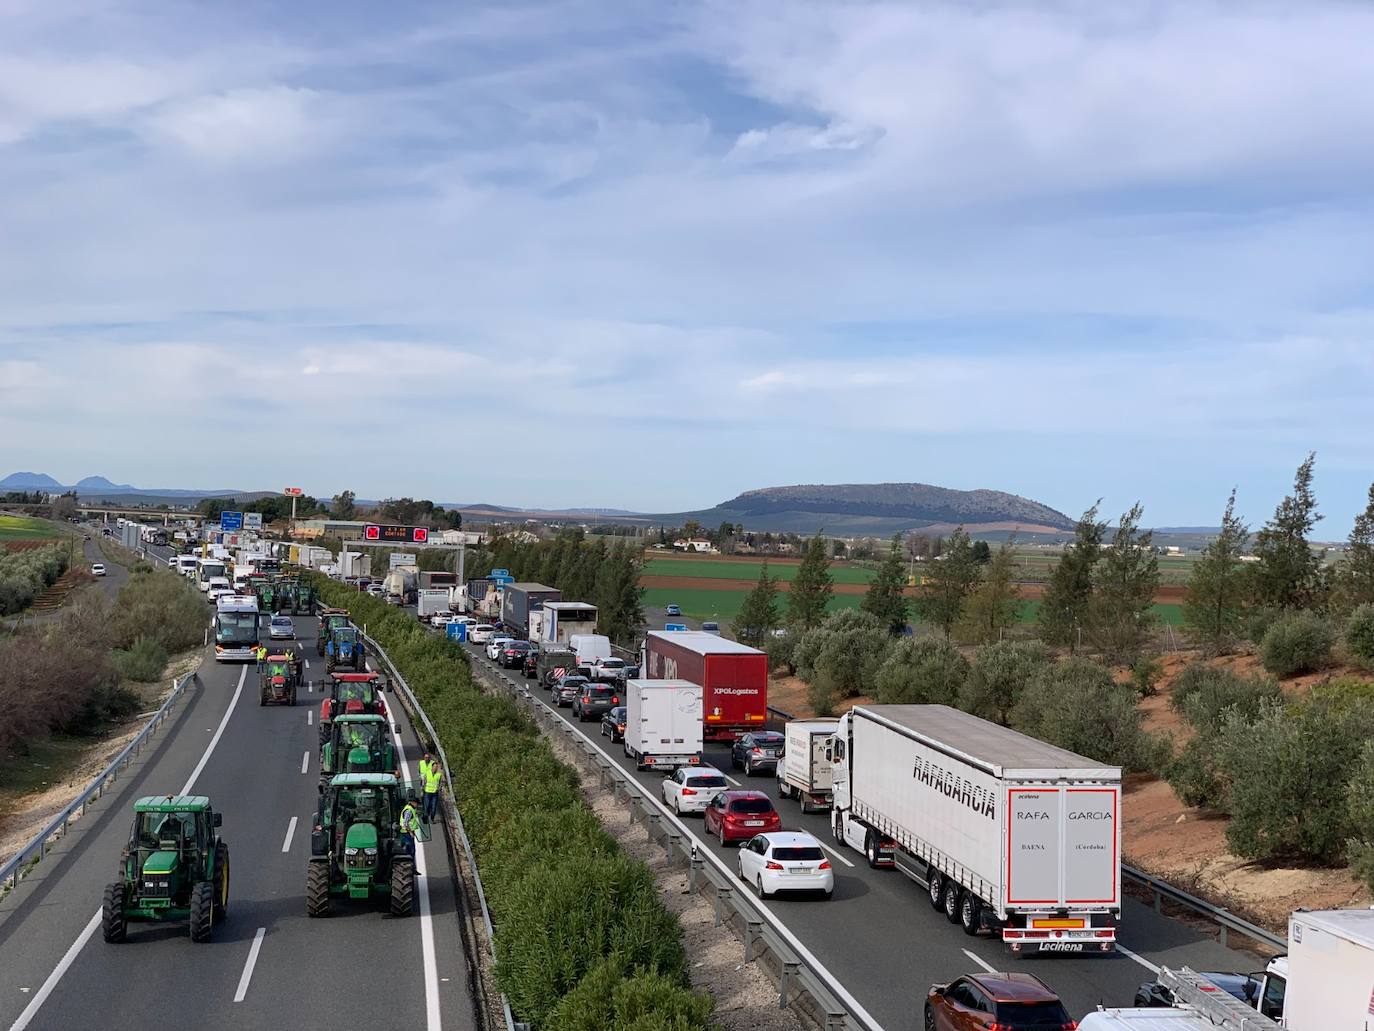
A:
[(590, 648)]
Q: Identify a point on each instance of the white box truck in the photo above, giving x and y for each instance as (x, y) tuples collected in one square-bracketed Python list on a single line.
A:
[(431, 601), (663, 724), (1198, 1006), (1327, 978), (1004, 832), (805, 770)]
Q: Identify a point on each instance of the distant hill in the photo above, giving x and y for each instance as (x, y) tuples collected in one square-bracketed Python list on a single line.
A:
[(98, 488), (29, 481), (862, 509)]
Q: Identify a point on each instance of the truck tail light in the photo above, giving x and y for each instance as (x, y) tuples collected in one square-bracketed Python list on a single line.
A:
[(1108, 933)]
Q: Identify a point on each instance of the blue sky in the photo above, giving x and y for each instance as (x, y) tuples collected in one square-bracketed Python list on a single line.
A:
[(650, 255)]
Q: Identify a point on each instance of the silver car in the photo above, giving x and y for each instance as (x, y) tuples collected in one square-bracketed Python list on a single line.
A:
[(281, 628)]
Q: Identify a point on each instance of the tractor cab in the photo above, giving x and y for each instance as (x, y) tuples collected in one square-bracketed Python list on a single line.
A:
[(356, 849), (329, 619), (344, 648), (357, 744), (278, 680), (352, 694), (174, 867)]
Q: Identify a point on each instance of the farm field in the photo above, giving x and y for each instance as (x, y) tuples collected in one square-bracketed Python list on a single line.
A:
[(737, 569), (22, 528)]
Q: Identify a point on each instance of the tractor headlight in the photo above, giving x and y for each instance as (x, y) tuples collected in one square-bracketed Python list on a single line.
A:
[(370, 851), (350, 851)]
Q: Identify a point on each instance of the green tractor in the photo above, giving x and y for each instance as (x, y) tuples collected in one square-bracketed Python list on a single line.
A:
[(175, 867), (356, 850), (357, 744), (329, 619)]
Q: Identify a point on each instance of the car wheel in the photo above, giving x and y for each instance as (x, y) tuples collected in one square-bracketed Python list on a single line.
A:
[(970, 913), (952, 899), (759, 887), (740, 867), (935, 886), (930, 1018), (748, 767)]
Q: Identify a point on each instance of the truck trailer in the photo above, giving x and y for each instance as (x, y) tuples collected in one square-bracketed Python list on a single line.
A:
[(804, 772), (564, 619), (431, 601), (733, 677), (519, 600), (1327, 978), (663, 724), (1005, 833)]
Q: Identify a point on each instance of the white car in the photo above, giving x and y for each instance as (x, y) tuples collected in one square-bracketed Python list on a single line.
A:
[(375, 590), (608, 669), (691, 788), (281, 627), (441, 619), (97, 569), (481, 633), (785, 861), (496, 643)]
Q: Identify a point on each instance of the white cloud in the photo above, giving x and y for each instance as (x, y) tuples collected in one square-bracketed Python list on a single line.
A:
[(262, 124)]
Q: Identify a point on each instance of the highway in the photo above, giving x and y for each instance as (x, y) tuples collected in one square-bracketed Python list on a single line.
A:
[(881, 938), (268, 965)]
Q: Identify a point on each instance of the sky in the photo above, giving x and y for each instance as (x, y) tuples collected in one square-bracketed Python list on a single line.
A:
[(647, 256)]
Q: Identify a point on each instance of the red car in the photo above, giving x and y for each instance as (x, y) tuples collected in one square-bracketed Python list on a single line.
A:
[(1006, 1002), (739, 815)]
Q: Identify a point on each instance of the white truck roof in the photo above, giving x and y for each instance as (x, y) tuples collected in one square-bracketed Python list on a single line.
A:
[(1354, 925), (1001, 751), (570, 606), (1145, 1020), (702, 643)]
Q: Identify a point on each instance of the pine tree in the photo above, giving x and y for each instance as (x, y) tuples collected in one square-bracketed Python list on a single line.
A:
[(1065, 605), (1355, 575), (619, 597), (1124, 583), (1215, 603), (812, 588), (759, 616), (884, 598), (993, 605), (949, 581), (1288, 575)]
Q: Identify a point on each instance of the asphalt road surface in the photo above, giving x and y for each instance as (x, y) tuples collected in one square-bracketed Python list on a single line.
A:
[(881, 938), (268, 965)]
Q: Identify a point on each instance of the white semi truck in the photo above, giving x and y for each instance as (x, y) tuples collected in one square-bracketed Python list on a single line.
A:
[(1004, 832), (805, 770), (1327, 979), (663, 726)]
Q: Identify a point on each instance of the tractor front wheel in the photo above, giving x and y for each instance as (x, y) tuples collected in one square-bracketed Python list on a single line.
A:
[(221, 881), (112, 923), (402, 887), (202, 911), (317, 888)]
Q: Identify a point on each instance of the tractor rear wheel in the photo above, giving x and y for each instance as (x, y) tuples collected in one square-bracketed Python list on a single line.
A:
[(113, 926), (317, 887), (221, 881), (402, 887), (202, 911)]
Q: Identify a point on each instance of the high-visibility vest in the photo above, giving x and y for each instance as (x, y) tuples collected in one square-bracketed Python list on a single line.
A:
[(432, 774), (410, 819)]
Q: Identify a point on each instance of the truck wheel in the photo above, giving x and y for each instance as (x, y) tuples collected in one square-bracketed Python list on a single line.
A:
[(871, 850), (837, 827), (113, 926), (953, 899), (402, 887), (221, 881), (202, 911), (970, 913), (935, 887), (317, 887)]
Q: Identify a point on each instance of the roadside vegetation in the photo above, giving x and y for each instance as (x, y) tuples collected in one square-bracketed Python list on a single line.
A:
[(26, 574), (582, 940)]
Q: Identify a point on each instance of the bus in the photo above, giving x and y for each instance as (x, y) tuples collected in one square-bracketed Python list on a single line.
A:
[(208, 569), (236, 628)]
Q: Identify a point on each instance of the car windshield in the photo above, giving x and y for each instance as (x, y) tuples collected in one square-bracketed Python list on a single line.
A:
[(618, 713), (612, 663), (599, 692), (1032, 1014), (707, 782), (574, 683), (751, 805), (282, 621), (797, 853)]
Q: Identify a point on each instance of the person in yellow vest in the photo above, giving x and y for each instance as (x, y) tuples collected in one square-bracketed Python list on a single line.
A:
[(409, 824), (430, 775), (262, 654)]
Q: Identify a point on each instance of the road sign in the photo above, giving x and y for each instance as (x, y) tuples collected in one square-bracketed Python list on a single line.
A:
[(499, 572), (674, 626), (504, 578), (231, 520), (401, 558), (252, 520), (292, 492), (383, 533), (456, 631)]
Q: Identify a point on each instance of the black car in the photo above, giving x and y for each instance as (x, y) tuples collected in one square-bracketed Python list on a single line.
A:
[(757, 751), (530, 667), (595, 700), (566, 688), (512, 655), (1243, 986), (613, 724)]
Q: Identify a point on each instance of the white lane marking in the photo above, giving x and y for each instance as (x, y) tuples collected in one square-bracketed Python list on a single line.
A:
[(290, 831), (309, 717), (247, 976), (69, 957), (979, 960), (841, 858), (733, 781), (1151, 967), (432, 1022), (307, 663), (305, 760)]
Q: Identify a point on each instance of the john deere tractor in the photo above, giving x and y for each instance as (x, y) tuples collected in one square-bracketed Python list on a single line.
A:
[(357, 744), (355, 848), (329, 619), (344, 649), (175, 867)]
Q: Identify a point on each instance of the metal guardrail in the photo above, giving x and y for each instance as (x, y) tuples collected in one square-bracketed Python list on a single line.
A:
[(794, 966), (37, 847), (435, 745), (1228, 921)]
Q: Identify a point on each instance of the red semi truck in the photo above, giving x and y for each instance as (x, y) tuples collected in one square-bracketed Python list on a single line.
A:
[(733, 677)]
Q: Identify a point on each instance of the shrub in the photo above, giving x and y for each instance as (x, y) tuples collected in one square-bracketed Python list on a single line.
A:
[(1076, 704), (922, 671), (1202, 694), (821, 696), (1359, 635), (1287, 775), (844, 652), (161, 606), (26, 574), (1000, 672), (782, 651), (1145, 674), (1194, 775), (607, 997), (1359, 802), (1296, 642), (1258, 621), (144, 660)]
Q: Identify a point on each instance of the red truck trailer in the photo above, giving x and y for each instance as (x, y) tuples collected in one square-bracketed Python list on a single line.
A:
[(733, 677)]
